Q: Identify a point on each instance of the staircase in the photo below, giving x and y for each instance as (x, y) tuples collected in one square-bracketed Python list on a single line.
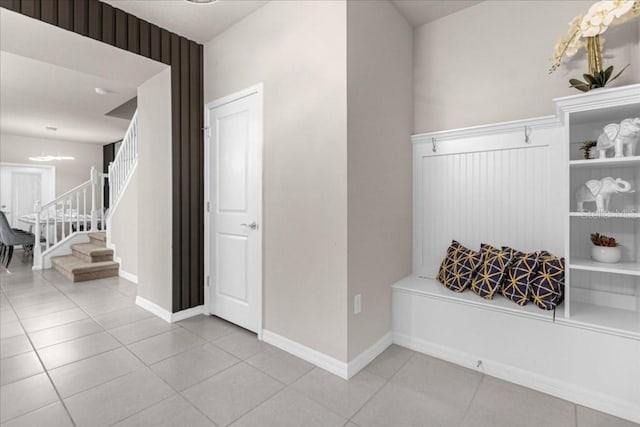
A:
[(88, 261), (62, 224)]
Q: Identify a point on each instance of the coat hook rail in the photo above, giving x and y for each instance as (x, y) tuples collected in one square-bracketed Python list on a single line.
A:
[(527, 139), (433, 142)]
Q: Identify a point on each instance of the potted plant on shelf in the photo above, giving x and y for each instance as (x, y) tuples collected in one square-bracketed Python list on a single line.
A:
[(586, 148), (605, 249), (584, 32)]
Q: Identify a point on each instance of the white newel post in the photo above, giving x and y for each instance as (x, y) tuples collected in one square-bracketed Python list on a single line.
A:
[(94, 190), (37, 249)]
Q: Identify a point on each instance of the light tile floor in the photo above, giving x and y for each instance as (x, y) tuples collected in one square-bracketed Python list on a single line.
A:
[(83, 354)]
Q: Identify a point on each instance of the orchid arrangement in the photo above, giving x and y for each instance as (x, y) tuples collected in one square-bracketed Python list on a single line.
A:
[(584, 32)]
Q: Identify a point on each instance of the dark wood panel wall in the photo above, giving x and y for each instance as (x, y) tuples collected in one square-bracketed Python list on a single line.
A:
[(107, 24)]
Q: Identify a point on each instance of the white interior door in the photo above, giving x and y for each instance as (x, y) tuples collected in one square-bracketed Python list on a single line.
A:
[(21, 186), (234, 149), (26, 190)]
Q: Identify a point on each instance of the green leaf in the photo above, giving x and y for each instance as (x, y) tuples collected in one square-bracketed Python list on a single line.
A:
[(580, 85), (600, 80), (589, 78), (621, 71), (607, 73)]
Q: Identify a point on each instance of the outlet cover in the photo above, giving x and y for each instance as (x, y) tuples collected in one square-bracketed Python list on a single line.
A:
[(357, 304)]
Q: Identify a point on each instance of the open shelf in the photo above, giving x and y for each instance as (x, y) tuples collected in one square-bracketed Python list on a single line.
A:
[(628, 268), (598, 215), (433, 289), (611, 162), (601, 318)]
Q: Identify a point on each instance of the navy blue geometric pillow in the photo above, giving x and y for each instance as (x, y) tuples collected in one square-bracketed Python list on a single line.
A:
[(516, 284), (547, 287), (487, 280), (458, 266)]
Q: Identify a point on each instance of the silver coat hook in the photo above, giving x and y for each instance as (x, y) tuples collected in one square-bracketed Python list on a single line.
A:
[(433, 142), (527, 140)]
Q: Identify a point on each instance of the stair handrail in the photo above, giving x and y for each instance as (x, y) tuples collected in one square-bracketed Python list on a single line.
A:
[(124, 162), (67, 216), (68, 193)]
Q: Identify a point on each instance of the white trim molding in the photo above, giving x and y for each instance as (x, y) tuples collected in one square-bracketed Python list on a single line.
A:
[(321, 360), (166, 315), (544, 384), (600, 99), (185, 314), (128, 276), (154, 308), (361, 361), (330, 364)]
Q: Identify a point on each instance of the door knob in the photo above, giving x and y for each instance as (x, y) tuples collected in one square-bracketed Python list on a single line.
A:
[(252, 226)]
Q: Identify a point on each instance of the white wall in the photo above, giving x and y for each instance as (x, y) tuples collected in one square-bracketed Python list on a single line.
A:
[(69, 173), (124, 220), (298, 50), (489, 63), (154, 190), (379, 120)]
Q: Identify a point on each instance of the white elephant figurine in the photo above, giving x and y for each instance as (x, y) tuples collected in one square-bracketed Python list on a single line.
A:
[(623, 137), (600, 191)]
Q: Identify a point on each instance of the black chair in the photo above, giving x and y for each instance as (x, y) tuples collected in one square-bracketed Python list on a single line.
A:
[(10, 237)]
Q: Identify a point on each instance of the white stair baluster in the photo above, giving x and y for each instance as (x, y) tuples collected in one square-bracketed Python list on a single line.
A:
[(77, 211), (36, 243)]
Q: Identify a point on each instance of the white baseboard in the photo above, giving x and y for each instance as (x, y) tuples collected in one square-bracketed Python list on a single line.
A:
[(130, 277), (342, 369), (185, 314), (154, 308), (359, 362), (601, 402), (166, 315), (315, 357)]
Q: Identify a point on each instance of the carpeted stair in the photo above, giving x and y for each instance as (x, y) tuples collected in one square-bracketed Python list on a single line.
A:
[(88, 261)]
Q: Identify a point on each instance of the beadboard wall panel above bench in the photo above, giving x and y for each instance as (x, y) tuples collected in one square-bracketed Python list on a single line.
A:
[(511, 184)]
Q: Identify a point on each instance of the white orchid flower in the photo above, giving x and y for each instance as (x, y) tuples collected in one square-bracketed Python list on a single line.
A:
[(597, 19), (621, 7), (591, 27), (600, 16)]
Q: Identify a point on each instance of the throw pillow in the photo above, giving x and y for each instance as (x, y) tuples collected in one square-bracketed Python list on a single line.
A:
[(458, 266), (516, 285), (547, 287), (488, 278)]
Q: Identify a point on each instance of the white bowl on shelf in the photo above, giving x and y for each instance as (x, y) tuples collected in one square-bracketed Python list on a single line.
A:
[(609, 255)]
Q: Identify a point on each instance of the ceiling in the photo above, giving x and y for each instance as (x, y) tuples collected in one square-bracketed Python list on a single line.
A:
[(420, 12), (74, 65), (49, 79), (198, 22), (202, 22)]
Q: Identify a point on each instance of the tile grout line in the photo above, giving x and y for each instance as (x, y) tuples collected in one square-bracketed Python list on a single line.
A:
[(46, 372), (475, 393), (180, 393), (121, 346), (383, 386), (347, 420), (144, 363)]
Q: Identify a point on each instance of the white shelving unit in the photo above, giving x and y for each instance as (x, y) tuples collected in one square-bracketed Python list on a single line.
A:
[(605, 215), (629, 268), (601, 296), (512, 184), (614, 162)]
